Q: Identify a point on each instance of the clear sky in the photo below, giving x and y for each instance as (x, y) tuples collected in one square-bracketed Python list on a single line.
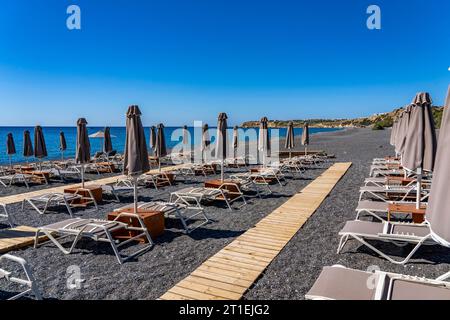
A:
[(185, 60)]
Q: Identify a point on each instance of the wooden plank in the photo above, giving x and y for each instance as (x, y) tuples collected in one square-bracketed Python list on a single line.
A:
[(194, 294), (225, 294), (173, 296), (233, 263), (216, 284), (17, 238), (231, 271), (222, 278)]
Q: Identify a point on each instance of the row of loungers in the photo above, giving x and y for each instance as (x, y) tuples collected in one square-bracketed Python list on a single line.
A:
[(184, 204), (342, 283)]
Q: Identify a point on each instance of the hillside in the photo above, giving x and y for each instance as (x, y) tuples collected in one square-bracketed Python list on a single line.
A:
[(377, 121)]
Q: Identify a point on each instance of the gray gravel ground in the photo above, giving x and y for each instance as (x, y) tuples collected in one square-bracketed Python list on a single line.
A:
[(174, 256), (294, 271)]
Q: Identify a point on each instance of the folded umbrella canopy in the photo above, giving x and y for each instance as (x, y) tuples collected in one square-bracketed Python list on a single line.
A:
[(221, 141), (153, 138), (289, 142), (40, 149), (107, 143), (420, 142), (186, 142), (402, 131), (10, 147), (437, 213), (27, 145), (305, 137), (83, 147), (235, 140), (393, 132), (62, 144), (160, 148), (206, 140), (264, 139), (136, 156)]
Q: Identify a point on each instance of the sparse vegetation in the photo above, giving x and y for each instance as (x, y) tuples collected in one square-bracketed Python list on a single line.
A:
[(384, 120), (378, 126)]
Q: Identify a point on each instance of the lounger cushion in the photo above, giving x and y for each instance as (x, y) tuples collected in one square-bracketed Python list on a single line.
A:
[(343, 284), (362, 227), (406, 290), (417, 230), (373, 206), (77, 224)]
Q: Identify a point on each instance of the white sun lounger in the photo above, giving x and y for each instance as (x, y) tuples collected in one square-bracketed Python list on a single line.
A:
[(124, 186), (8, 180), (383, 193), (198, 194), (375, 208), (157, 180), (395, 232), (97, 230), (29, 282), (56, 199), (176, 209), (341, 283), (256, 178)]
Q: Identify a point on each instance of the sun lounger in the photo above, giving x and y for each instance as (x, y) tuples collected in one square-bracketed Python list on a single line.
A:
[(176, 209), (29, 282), (64, 173), (377, 208), (252, 181), (157, 180), (122, 186), (387, 193), (199, 194), (4, 215), (387, 172), (8, 180), (56, 199), (397, 233), (341, 283), (97, 230)]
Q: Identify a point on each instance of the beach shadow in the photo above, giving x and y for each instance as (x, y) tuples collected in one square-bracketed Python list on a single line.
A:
[(198, 234)]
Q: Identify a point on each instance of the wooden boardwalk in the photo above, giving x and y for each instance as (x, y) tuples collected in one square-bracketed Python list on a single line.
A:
[(229, 273), (20, 197), (16, 238)]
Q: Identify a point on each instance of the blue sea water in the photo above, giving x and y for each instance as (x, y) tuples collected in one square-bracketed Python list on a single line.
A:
[(173, 137)]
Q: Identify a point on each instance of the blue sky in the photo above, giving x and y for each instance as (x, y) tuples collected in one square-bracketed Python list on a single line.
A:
[(189, 60)]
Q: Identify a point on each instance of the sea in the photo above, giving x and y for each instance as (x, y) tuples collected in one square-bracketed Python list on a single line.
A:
[(173, 136)]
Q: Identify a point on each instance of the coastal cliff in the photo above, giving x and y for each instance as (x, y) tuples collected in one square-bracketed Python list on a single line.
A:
[(380, 120)]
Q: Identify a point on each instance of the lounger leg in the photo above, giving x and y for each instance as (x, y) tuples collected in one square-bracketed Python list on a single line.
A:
[(342, 243), (68, 207), (400, 262)]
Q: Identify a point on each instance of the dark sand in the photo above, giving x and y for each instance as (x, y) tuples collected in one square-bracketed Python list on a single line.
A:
[(175, 255), (294, 271)]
